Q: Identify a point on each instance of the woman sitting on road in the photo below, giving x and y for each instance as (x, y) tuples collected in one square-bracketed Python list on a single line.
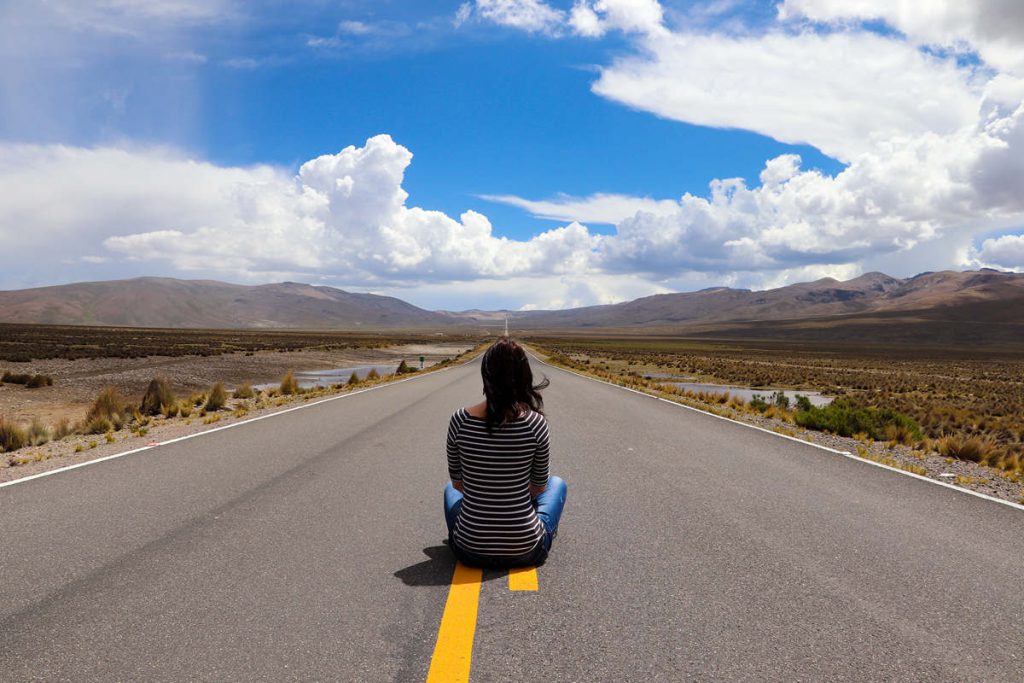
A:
[(501, 506)]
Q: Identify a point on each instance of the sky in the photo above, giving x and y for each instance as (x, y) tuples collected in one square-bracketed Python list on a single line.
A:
[(515, 154)]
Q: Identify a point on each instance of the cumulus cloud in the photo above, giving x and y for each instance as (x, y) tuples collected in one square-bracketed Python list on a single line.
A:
[(992, 28), (1003, 252), (594, 18)]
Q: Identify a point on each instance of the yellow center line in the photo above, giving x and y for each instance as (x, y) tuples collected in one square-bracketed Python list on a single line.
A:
[(454, 650), (522, 579)]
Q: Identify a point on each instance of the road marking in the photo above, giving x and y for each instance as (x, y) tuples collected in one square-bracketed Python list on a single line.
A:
[(522, 579), (845, 454), (454, 650)]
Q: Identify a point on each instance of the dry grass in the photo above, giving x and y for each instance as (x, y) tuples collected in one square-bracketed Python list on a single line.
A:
[(217, 398), (289, 385), (158, 397), (12, 437)]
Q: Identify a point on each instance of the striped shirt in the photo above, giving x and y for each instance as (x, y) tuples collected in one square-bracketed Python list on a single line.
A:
[(497, 518)]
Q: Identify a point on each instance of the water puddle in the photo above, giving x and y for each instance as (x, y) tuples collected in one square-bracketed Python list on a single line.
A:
[(308, 379), (747, 393)]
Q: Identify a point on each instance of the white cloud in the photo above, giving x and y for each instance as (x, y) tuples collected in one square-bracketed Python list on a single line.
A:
[(601, 208), (1003, 252), (594, 18), (842, 93), (533, 16), (992, 28)]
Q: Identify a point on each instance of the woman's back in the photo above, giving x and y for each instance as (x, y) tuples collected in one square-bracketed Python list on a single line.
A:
[(496, 468)]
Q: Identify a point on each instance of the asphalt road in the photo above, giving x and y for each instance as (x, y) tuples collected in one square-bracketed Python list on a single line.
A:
[(308, 546)]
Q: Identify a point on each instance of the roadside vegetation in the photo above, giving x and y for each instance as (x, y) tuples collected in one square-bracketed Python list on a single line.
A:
[(25, 343), (959, 404), (113, 416)]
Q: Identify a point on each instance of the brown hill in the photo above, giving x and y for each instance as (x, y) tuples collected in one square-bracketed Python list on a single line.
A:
[(166, 302)]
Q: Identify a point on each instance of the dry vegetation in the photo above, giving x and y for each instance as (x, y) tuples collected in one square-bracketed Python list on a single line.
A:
[(113, 416), (25, 343), (961, 404)]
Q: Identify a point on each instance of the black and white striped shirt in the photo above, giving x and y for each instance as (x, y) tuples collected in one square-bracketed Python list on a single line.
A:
[(497, 516)]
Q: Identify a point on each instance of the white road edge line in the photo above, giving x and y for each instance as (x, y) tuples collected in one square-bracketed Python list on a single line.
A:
[(223, 427), (845, 454)]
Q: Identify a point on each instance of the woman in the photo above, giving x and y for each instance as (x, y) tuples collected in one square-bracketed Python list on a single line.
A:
[(501, 506)]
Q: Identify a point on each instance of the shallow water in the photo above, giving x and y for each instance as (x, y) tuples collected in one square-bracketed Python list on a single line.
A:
[(747, 393), (308, 379)]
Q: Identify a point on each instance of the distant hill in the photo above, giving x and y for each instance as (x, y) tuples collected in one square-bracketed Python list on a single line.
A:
[(931, 294), (166, 302), (972, 307)]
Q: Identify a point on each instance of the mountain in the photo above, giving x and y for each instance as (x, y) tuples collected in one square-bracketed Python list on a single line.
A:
[(166, 302), (947, 294), (983, 307)]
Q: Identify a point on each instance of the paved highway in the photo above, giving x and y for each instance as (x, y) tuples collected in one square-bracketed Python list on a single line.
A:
[(308, 546)]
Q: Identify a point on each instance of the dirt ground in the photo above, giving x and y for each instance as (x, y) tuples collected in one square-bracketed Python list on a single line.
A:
[(76, 382)]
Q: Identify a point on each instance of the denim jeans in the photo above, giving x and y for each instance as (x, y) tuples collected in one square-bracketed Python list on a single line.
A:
[(548, 504)]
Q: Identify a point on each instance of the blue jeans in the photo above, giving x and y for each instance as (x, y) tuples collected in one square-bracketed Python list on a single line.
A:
[(548, 504)]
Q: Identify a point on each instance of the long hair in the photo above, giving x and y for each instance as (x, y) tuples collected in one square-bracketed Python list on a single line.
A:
[(508, 383)]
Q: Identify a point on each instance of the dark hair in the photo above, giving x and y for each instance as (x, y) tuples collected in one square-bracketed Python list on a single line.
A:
[(508, 383)]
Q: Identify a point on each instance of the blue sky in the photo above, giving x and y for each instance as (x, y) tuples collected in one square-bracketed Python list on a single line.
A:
[(573, 115)]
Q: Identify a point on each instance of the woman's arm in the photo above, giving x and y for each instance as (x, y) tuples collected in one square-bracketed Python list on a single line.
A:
[(452, 448), (539, 469)]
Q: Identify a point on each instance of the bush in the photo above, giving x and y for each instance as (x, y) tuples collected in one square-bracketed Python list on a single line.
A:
[(780, 400), (98, 425), (846, 418), (404, 369), (373, 374), (37, 381), (12, 437), (244, 391), (217, 398), (11, 378), (972, 448), (289, 385), (758, 403), (803, 402), (110, 406), (62, 429), (353, 379), (185, 408), (38, 433), (158, 397)]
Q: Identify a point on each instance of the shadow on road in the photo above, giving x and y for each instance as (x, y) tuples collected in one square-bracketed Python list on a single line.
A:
[(437, 571)]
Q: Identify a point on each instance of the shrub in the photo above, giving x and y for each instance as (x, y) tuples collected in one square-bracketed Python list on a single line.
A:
[(63, 428), (217, 398), (158, 397), (244, 391), (373, 374), (12, 437), (846, 418), (803, 402), (972, 448), (110, 406), (758, 403), (780, 399), (185, 408), (353, 379), (38, 433), (11, 378), (37, 381), (289, 385), (98, 425), (404, 369), (169, 411)]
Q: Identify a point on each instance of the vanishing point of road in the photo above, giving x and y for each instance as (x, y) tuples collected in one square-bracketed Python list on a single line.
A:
[(308, 546)]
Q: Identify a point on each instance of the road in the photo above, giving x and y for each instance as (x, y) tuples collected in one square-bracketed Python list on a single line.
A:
[(308, 546)]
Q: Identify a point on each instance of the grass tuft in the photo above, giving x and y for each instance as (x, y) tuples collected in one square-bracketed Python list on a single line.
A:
[(12, 437), (217, 399), (289, 385), (244, 391), (158, 398)]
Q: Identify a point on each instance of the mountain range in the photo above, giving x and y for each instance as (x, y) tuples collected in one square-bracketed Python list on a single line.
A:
[(984, 306)]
